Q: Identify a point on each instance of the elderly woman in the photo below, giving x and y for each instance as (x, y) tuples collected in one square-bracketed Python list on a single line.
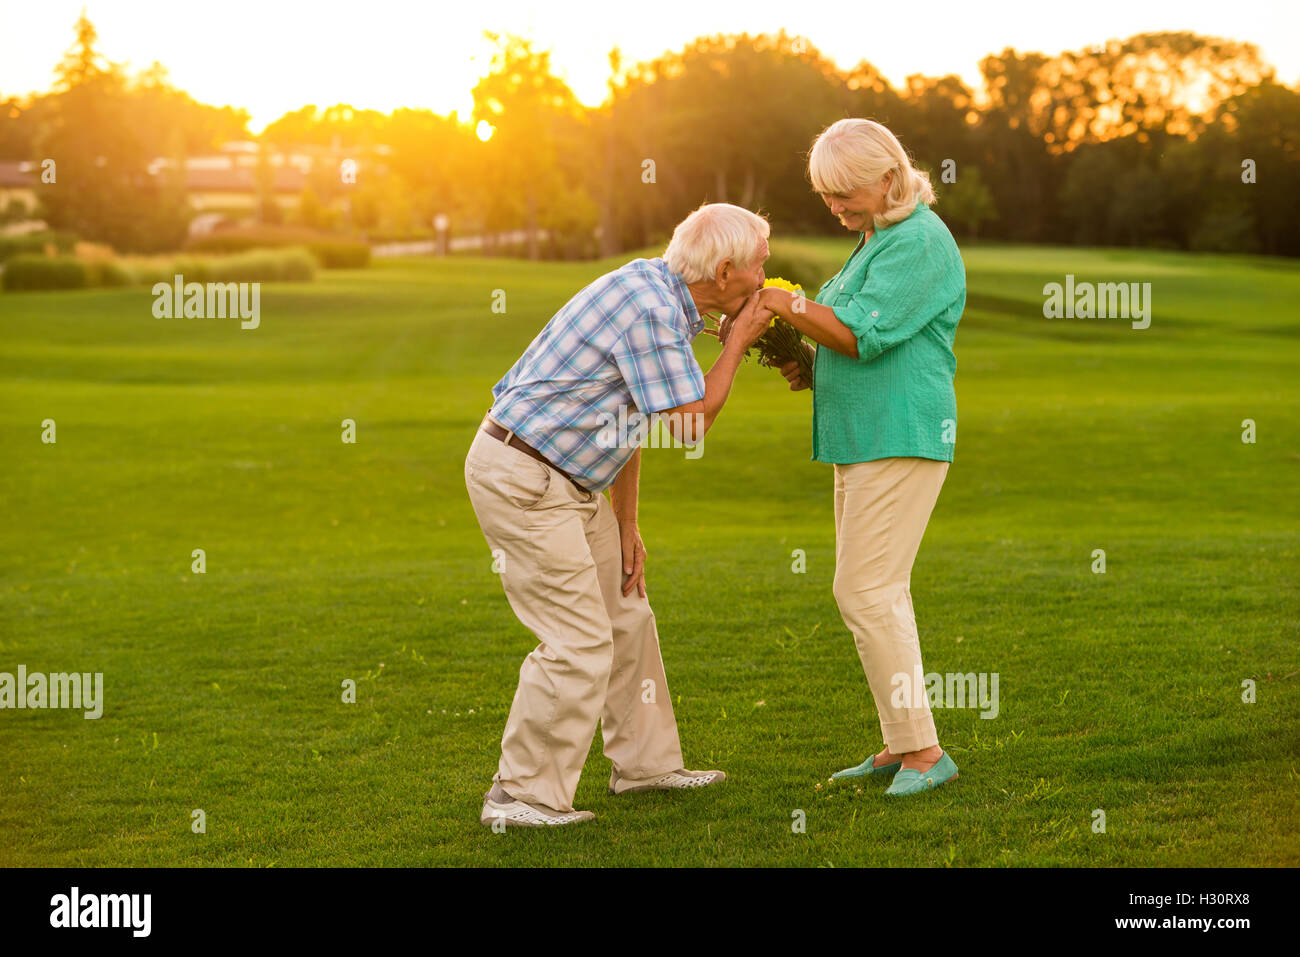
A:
[(885, 415)]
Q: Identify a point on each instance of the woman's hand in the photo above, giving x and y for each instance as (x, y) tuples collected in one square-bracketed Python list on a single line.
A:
[(747, 325), (791, 370), (780, 301)]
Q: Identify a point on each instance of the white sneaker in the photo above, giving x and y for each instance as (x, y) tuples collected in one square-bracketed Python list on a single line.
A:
[(511, 812), (678, 780)]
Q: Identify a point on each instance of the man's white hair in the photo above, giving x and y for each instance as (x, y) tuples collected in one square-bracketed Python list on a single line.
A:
[(714, 232)]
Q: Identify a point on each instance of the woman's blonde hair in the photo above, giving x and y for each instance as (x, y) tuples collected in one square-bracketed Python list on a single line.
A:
[(852, 154)]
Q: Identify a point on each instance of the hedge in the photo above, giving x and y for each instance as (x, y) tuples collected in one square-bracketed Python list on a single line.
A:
[(35, 244), (27, 272), (808, 270), (263, 265), (332, 252)]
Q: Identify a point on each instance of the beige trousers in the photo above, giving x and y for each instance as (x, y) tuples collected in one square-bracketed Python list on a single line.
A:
[(881, 510), (561, 563)]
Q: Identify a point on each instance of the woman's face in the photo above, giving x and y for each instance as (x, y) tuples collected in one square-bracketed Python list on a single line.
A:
[(856, 210)]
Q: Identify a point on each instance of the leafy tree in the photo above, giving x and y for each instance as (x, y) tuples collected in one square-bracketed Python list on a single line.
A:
[(103, 189), (1262, 124), (528, 107), (729, 119), (1085, 193), (1137, 207), (967, 203)]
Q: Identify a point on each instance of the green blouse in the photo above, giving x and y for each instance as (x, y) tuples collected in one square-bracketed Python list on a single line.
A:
[(901, 293)]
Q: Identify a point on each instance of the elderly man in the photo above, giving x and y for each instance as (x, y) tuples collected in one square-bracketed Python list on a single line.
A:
[(571, 560)]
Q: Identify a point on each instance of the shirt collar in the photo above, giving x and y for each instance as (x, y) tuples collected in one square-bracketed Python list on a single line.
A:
[(693, 318)]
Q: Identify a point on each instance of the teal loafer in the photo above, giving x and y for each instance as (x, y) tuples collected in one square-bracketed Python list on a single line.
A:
[(865, 768), (911, 781)]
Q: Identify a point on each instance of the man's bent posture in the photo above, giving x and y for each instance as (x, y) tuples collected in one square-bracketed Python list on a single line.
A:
[(571, 560)]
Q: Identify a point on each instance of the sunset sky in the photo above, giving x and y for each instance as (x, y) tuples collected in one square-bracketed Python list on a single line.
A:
[(271, 57)]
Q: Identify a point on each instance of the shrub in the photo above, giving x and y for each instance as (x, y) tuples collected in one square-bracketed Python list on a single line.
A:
[(27, 272), (341, 255), (331, 251), (262, 265), (805, 268), (111, 273), (36, 244), (378, 237), (145, 271)]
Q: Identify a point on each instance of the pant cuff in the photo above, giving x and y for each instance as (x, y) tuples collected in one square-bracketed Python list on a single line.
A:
[(910, 734)]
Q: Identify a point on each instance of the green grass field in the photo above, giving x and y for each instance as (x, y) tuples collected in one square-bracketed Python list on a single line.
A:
[(327, 561)]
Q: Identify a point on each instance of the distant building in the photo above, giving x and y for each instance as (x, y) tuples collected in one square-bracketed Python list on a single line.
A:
[(229, 183), (229, 179), (18, 180)]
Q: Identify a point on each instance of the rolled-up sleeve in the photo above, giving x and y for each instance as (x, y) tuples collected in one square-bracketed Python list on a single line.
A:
[(904, 290), (656, 360)]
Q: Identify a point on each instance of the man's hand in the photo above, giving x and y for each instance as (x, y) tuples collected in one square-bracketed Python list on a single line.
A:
[(748, 324), (634, 556), (690, 420)]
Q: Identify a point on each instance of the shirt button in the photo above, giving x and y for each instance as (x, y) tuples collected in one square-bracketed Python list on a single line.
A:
[(874, 313), (841, 285)]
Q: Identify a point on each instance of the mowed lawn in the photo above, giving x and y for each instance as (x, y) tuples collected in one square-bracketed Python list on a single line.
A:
[(325, 561)]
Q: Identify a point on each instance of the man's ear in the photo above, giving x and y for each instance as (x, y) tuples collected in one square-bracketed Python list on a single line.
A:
[(723, 274)]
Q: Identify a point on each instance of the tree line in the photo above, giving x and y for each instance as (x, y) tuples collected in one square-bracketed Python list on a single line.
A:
[(1163, 140)]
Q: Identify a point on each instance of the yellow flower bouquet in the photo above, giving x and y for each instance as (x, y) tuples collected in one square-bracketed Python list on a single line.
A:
[(783, 342)]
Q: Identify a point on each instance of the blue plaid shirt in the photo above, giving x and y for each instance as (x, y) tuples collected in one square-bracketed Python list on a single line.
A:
[(622, 342)]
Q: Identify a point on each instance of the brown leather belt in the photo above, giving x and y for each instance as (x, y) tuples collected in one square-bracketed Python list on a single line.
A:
[(499, 433)]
